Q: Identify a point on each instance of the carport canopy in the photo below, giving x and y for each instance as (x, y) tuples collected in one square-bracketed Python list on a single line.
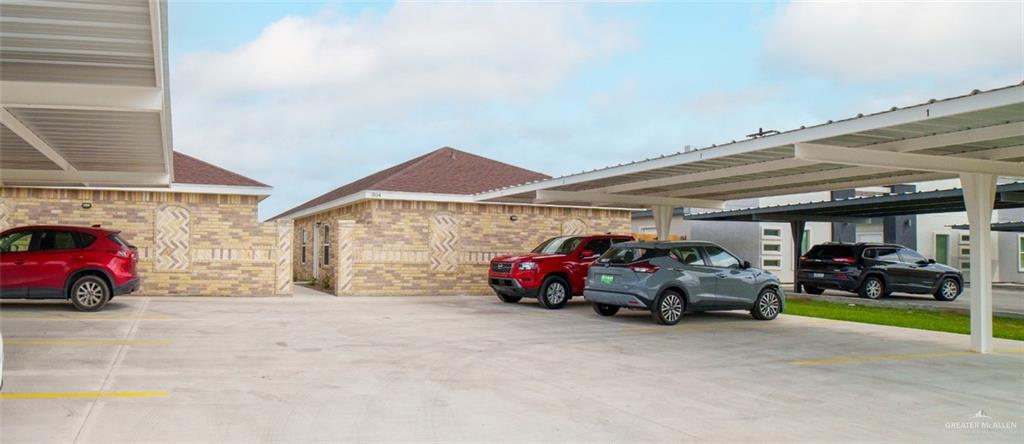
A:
[(862, 209), (977, 138), (83, 94), (1016, 226)]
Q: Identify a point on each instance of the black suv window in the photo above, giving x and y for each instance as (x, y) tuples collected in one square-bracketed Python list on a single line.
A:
[(882, 254), (16, 242), (828, 252), (598, 246), (721, 258), (911, 257), (57, 240)]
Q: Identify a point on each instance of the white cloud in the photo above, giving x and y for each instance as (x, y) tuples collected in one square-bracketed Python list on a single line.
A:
[(862, 41), (315, 101)]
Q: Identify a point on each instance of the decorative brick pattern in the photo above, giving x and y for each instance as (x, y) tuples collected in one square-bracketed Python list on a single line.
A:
[(230, 252), (444, 236), (173, 239), (345, 255), (395, 243), (5, 215), (574, 227), (283, 265)]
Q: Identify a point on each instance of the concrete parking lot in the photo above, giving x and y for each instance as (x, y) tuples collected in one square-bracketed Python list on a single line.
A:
[(471, 369)]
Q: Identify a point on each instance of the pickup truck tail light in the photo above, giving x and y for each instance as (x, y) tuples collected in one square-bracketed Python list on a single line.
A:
[(643, 267)]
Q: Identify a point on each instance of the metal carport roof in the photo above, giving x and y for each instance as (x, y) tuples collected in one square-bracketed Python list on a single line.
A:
[(83, 93), (1012, 226), (975, 129), (1009, 195)]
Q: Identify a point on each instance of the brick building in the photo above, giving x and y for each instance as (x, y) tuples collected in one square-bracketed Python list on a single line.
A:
[(198, 237), (415, 229)]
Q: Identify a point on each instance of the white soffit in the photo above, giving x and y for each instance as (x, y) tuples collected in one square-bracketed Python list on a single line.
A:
[(985, 125), (83, 93)]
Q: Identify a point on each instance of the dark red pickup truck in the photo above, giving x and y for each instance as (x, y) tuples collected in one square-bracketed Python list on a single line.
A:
[(553, 272)]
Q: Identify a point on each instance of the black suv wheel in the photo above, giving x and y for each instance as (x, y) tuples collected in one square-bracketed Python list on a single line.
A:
[(872, 288), (948, 290)]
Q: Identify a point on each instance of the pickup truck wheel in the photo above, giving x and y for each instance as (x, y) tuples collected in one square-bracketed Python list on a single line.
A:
[(948, 290), (509, 299), (89, 293), (554, 293), (605, 309)]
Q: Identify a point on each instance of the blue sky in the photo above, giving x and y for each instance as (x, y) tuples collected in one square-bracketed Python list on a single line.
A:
[(307, 96)]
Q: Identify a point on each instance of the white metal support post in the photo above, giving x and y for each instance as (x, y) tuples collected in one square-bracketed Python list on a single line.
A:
[(662, 220), (979, 199)]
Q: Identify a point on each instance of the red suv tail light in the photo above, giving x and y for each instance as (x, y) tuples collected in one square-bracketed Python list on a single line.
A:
[(844, 260), (643, 267)]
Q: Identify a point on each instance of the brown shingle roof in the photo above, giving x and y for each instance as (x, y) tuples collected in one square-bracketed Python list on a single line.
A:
[(444, 171), (188, 169)]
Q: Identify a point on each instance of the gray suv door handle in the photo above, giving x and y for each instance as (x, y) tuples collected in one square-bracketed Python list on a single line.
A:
[(721, 275)]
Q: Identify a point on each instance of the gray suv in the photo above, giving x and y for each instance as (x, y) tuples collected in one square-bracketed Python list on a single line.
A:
[(670, 278)]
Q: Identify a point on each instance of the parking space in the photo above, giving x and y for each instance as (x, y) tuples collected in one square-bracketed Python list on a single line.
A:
[(314, 367)]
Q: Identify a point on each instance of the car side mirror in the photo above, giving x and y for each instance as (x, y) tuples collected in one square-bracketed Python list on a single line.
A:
[(588, 254), (745, 265)]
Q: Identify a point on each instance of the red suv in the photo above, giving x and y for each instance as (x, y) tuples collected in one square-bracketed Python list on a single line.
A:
[(86, 265), (553, 272)]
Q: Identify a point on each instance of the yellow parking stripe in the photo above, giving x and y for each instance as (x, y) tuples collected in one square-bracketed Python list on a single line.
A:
[(56, 395), (87, 342), (897, 357)]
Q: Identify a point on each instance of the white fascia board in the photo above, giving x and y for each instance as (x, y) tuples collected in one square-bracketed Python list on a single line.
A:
[(58, 177), (960, 105), (422, 197), (906, 161), (174, 188), (547, 196), (52, 95)]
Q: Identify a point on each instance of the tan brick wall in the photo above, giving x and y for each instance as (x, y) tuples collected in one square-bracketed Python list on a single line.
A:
[(429, 248), (226, 250)]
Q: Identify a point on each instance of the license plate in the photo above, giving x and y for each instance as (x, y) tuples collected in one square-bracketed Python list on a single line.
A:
[(607, 279), (818, 275)]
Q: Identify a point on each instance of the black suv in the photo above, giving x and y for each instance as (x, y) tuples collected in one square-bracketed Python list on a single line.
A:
[(876, 270)]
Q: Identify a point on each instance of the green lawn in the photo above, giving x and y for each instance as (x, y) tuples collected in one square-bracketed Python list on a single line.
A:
[(1008, 328)]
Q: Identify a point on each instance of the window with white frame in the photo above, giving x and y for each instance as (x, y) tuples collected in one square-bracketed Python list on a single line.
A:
[(1020, 253), (327, 244), (965, 251), (303, 240), (771, 247), (965, 238), (771, 232), (771, 263)]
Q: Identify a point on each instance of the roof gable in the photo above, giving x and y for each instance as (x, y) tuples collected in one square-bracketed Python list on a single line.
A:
[(189, 170), (442, 171)]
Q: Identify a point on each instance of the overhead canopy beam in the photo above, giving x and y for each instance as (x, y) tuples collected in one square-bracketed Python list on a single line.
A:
[(21, 94), (548, 196), (44, 177), (12, 123), (740, 170), (1009, 152), (905, 161)]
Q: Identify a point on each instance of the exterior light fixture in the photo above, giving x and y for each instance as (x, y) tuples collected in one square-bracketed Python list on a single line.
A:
[(513, 218), (86, 205)]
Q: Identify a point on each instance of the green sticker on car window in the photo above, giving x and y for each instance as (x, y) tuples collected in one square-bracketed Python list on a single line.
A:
[(607, 279)]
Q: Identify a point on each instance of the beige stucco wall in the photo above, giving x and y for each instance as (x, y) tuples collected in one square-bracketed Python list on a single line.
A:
[(391, 247), (189, 244)]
